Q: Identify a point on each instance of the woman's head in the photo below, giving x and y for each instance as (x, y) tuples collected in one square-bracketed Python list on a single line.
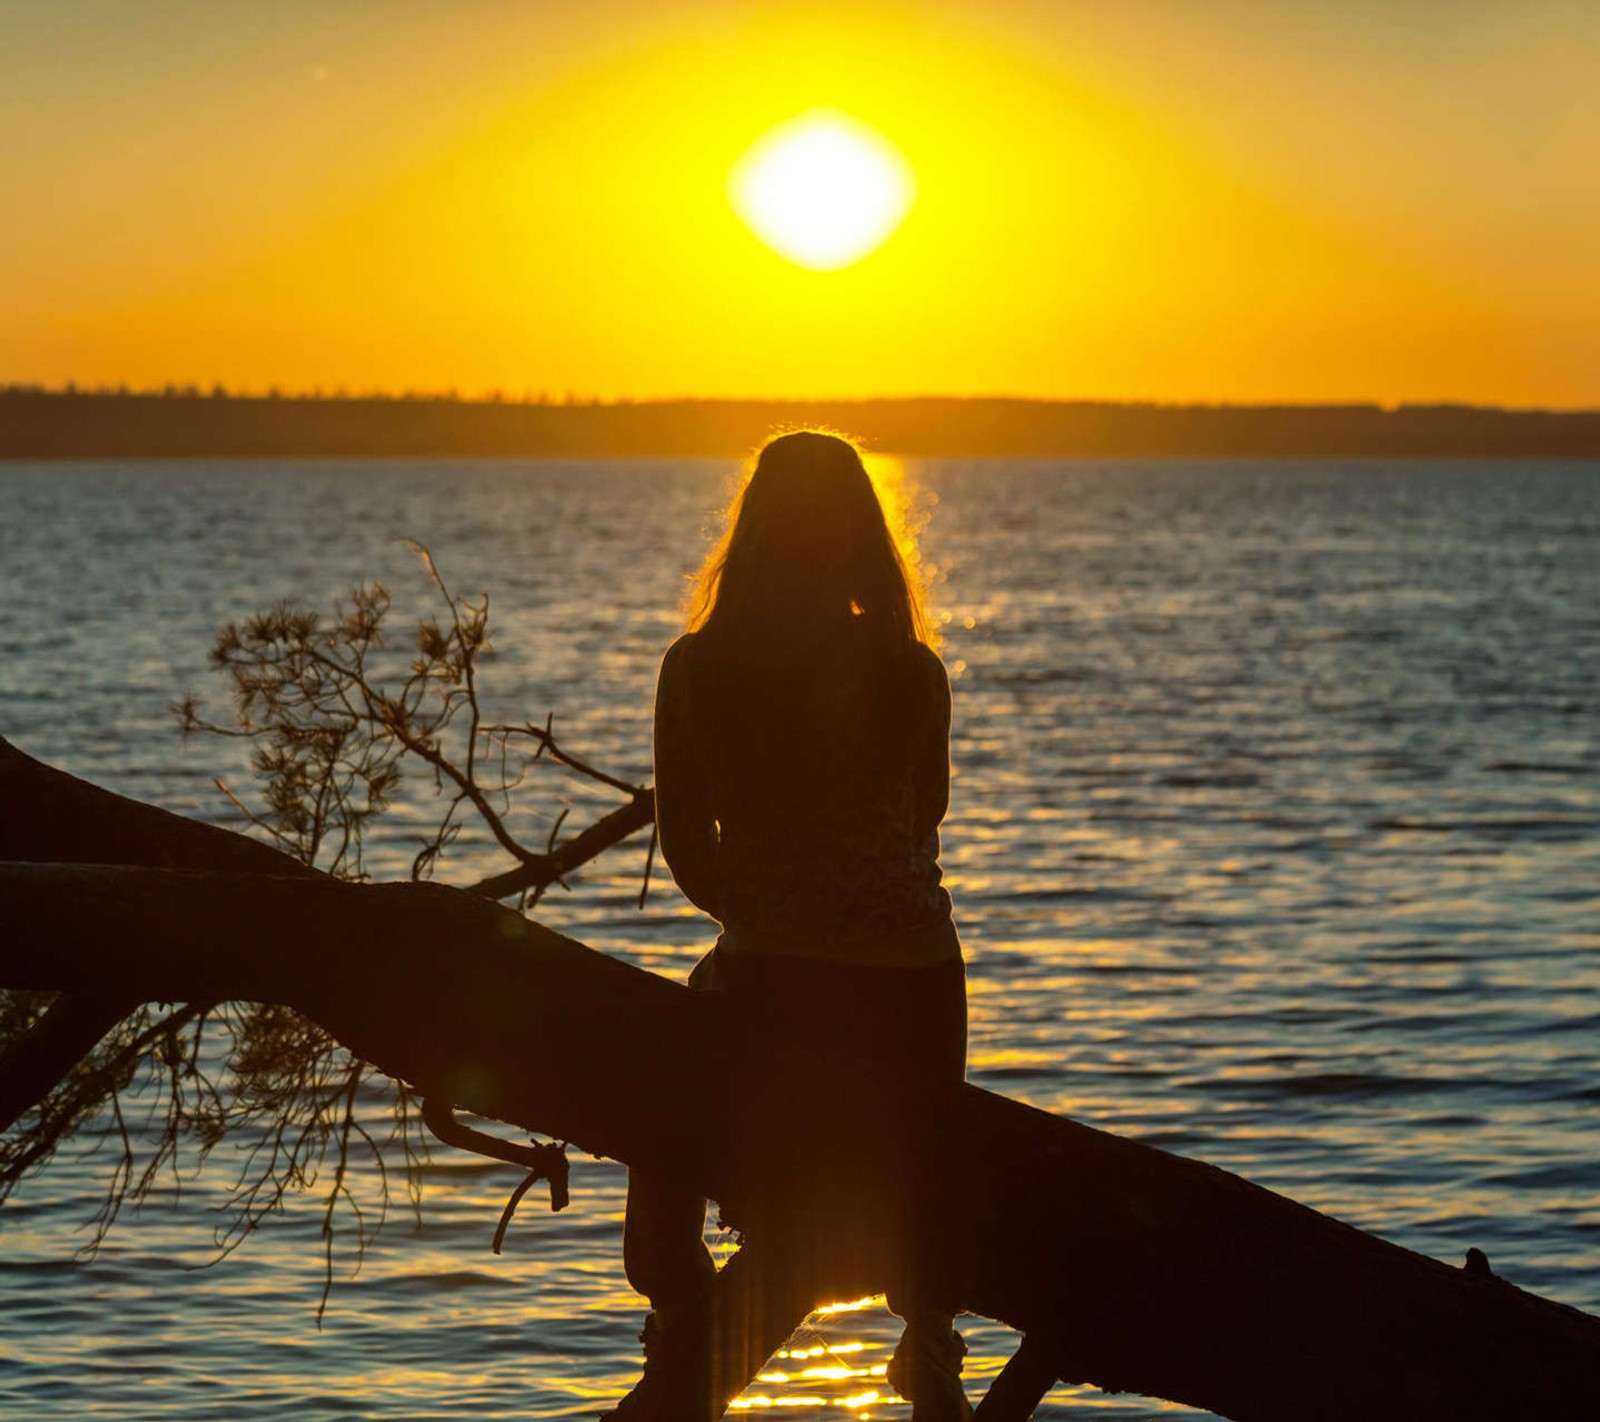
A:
[(807, 550)]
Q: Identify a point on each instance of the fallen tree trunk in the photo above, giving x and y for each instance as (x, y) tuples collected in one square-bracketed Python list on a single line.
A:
[(1127, 1267)]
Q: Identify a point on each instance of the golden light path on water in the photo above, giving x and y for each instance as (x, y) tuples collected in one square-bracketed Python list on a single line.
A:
[(803, 1366)]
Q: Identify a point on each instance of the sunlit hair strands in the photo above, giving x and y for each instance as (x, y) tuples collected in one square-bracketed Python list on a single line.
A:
[(806, 548)]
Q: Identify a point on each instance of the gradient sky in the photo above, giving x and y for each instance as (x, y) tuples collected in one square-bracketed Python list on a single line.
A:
[(1219, 200)]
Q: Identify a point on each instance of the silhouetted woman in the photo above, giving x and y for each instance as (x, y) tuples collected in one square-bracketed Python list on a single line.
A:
[(802, 769)]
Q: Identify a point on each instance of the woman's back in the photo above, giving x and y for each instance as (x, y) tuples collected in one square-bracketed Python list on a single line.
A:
[(827, 773)]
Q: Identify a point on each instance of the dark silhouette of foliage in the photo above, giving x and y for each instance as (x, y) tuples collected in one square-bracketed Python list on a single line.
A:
[(278, 423), (335, 717)]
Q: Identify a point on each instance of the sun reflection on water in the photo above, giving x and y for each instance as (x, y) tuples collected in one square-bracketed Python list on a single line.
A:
[(834, 1373)]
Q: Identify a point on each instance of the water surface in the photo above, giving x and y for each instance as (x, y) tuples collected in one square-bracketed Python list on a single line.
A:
[(1274, 838)]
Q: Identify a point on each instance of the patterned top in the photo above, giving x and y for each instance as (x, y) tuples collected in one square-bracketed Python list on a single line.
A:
[(800, 805)]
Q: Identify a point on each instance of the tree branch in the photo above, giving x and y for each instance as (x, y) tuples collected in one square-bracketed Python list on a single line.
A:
[(34, 1064), (544, 738), (542, 870)]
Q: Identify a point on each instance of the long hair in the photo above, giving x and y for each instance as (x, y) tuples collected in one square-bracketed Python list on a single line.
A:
[(806, 555)]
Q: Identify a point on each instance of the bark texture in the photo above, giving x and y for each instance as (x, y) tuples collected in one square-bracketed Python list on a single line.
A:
[(1128, 1267)]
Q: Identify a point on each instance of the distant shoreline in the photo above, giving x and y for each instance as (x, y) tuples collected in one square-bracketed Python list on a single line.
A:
[(181, 424)]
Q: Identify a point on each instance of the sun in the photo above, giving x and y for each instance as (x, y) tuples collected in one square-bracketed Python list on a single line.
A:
[(823, 189)]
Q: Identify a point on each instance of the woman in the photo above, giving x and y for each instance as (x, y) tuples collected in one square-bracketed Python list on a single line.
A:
[(802, 770)]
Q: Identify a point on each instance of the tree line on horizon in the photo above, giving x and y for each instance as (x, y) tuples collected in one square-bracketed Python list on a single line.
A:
[(188, 421), (218, 390)]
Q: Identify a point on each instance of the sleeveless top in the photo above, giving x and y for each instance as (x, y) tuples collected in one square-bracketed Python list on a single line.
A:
[(826, 783)]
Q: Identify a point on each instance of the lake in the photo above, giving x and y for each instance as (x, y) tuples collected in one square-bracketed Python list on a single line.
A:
[(1274, 840)]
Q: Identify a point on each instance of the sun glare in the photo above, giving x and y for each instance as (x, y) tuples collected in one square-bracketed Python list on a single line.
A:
[(823, 190)]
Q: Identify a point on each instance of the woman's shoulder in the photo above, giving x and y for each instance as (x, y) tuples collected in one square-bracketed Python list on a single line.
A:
[(930, 667), (672, 680), (680, 652)]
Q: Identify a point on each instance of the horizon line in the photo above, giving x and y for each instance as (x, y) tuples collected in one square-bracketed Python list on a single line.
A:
[(573, 399)]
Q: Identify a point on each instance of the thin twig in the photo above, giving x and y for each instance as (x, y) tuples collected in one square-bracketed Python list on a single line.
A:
[(547, 742)]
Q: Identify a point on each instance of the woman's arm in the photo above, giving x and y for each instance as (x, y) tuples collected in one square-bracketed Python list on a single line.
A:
[(930, 770), (684, 818)]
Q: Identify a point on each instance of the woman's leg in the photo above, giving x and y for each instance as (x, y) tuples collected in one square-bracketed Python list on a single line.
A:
[(663, 1231), (663, 1246), (665, 1258), (926, 1367)]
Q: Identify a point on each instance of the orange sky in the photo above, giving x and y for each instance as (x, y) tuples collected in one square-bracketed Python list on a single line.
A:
[(1209, 201)]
